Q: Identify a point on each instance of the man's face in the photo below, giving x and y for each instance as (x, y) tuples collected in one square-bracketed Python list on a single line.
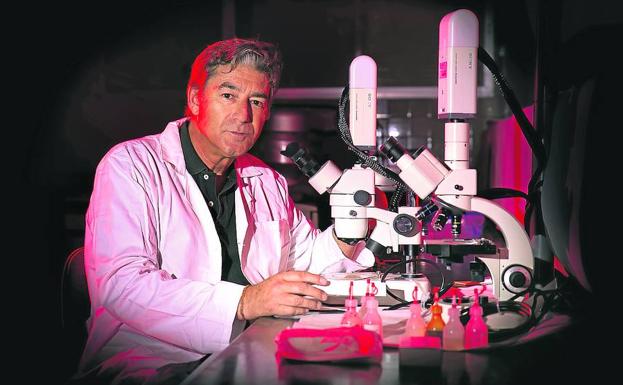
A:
[(231, 111)]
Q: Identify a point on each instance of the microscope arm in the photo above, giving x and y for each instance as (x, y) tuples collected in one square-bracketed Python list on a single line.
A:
[(382, 240), (511, 273)]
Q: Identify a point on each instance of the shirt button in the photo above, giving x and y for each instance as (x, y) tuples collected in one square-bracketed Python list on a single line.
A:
[(206, 176), (210, 203)]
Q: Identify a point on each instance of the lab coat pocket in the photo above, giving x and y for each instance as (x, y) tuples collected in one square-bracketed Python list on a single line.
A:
[(270, 248)]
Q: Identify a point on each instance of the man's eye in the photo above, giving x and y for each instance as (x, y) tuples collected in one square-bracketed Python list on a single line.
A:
[(258, 103), (227, 96)]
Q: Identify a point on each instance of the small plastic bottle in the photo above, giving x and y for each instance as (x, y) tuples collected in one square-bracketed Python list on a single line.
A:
[(453, 332), (435, 325), (363, 309), (476, 331), (372, 319), (416, 327), (351, 318)]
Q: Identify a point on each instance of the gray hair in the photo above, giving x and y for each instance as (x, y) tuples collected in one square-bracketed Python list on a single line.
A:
[(263, 56)]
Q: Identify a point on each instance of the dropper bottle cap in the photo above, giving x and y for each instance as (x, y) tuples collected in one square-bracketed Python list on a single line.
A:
[(350, 301), (454, 310), (372, 301), (374, 290), (476, 309), (436, 308), (415, 304)]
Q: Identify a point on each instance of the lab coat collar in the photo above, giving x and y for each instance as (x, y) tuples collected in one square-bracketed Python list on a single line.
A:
[(246, 168), (171, 146)]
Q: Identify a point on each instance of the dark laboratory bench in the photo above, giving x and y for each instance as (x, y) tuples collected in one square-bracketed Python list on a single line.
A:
[(568, 356)]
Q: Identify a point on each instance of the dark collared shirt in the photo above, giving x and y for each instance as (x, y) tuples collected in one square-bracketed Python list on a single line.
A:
[(221, 205)]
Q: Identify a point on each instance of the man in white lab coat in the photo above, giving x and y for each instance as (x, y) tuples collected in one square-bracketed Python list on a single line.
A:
[(188, 236)]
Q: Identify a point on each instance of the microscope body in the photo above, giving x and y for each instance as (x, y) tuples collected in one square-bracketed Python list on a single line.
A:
[(351, 200), (452, 184), (511, 268), (448, 187)]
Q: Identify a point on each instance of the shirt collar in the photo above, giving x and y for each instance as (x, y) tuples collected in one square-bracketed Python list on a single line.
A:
[(194, 164)]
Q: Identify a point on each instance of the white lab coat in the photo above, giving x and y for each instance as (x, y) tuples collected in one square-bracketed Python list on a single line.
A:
[(153, 258)]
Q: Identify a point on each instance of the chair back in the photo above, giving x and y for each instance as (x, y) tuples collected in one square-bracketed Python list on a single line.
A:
[(75, 302)]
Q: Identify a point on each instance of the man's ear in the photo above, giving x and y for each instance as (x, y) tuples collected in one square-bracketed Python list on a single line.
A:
[(192, 100)]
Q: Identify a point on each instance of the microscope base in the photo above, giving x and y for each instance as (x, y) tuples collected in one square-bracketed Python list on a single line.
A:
[(401, 287)]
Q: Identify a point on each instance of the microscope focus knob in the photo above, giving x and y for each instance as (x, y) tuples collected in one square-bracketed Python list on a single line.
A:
[(406, 225), (517, 278), (362, 198)]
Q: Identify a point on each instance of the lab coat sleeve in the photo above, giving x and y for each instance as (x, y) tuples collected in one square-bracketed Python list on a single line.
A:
[(123, 269)]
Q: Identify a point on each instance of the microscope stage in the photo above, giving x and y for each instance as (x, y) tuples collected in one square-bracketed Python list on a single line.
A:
[(338, 289), (456, 249)]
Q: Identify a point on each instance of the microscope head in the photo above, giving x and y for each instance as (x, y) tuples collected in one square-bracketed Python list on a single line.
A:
[(422, 174), (321, 178)]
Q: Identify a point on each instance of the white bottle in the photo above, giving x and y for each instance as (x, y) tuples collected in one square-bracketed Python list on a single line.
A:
[(363, 308), (454, 332), (372, 319), (416, 326), (351, 318), (476, 330)]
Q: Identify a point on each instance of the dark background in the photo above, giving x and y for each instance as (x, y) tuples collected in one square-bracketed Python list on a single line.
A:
[(96, 73)]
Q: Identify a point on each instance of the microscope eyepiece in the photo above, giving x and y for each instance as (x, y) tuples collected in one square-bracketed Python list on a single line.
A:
[(290, 150), (305, 162), (418, 151), (392, 149)]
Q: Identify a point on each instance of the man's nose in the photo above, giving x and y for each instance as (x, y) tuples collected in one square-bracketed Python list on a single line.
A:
[(243, 111)]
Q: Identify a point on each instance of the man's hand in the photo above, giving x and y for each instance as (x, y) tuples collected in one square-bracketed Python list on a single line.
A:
[(287, 293)]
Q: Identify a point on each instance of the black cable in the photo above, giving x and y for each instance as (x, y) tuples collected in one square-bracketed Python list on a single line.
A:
[(401, 301), (550, 297), (520, 308), (365, 159), (530, 312), (501, 192), (534, 198), (394, 201), (532, 136)]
